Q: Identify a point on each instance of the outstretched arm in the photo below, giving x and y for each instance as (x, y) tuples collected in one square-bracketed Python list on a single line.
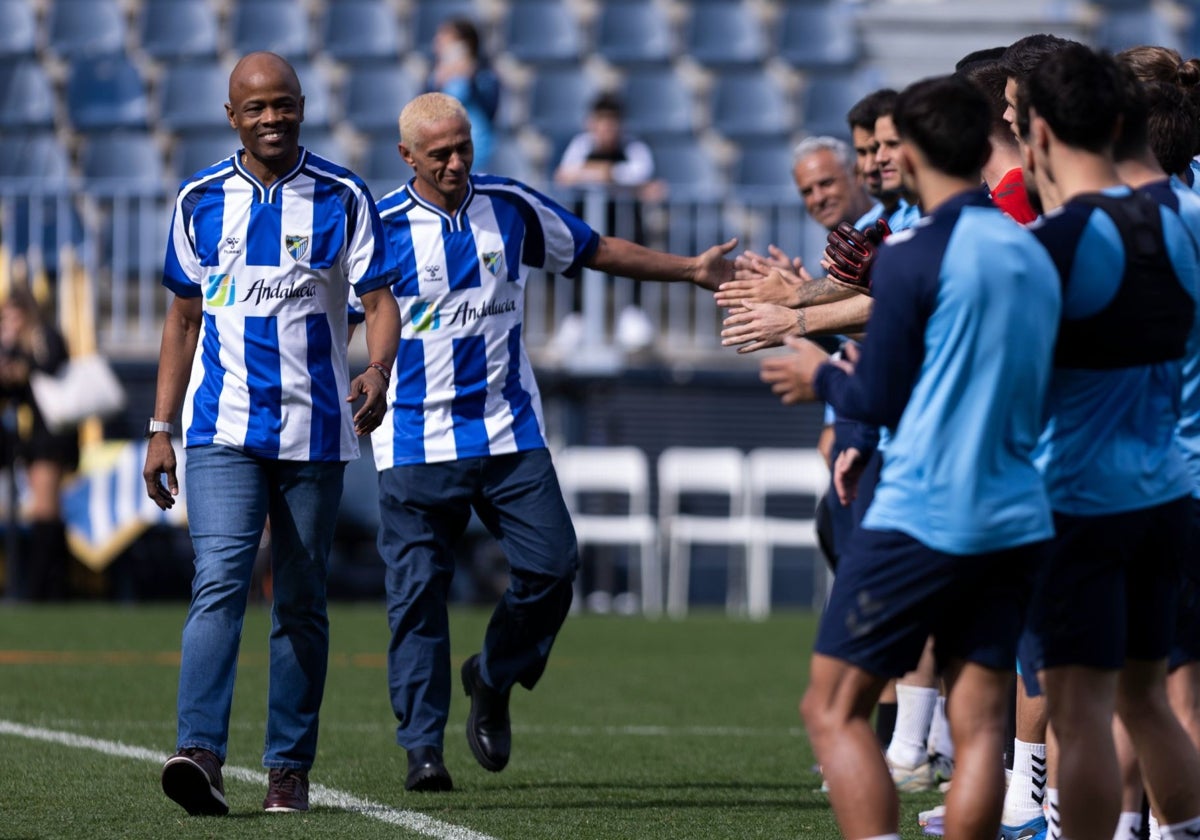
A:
[(763, 325), (628, 259)]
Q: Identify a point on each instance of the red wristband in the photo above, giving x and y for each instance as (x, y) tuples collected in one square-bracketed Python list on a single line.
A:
[(379, 366)]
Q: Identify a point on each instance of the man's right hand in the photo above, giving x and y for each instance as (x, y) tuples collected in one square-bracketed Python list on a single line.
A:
[(160, 459), (850, 254)]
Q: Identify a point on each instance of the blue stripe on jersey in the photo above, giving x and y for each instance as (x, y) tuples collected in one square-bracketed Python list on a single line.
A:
[(206, 400), (399, 233), (264, 382), (264, 234), (333, 214), (525, 424), (462, 261), (205, 207), (325, 443), (408, 406), (470, 396), (510, 221)]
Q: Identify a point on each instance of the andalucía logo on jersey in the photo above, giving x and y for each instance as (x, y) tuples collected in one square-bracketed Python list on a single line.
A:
[(424, 316), (297, 246), (220, 290), (493, 261)]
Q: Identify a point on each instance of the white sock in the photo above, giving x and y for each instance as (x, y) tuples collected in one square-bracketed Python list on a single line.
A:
[(1188, 830), (1053, 818), (940, 742), (914, 714), (1026, 795), (884, 837), (1129, 826), (1155, 832)]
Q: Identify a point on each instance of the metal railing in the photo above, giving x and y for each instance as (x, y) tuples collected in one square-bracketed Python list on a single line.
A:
[(116, 234)]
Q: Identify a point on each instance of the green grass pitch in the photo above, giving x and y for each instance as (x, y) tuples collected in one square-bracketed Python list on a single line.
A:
[(639, 729)]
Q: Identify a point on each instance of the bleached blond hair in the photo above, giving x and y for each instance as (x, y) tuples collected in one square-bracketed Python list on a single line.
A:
[(425, 109)]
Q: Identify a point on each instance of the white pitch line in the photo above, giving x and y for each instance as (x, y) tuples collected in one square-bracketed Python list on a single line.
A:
[(318, 794)]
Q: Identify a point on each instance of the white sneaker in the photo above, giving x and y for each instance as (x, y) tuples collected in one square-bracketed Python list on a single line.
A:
[(912, 779)]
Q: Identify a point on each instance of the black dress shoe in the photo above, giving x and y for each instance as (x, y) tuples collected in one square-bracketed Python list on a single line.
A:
[(426, 772), (489, 733)]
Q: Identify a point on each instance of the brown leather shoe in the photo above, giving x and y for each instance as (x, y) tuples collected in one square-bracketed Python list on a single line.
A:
[(287, 790), (192, 777)]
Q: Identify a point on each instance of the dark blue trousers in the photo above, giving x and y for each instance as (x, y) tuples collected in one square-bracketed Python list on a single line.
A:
[(424, 509)]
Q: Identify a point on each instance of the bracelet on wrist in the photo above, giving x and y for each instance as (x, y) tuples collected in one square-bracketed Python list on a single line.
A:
[(383, 370)]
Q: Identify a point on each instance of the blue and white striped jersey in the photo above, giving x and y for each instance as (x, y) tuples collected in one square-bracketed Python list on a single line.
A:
[(275, 266), (463, 386)]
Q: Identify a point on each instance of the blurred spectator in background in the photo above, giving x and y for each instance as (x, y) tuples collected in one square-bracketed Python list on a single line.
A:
[(460, 70), (604, 157), (30, 342)]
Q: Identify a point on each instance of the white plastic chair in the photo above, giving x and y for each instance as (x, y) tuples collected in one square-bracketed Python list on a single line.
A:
[(782, 472), (622, 470), (708, 471)]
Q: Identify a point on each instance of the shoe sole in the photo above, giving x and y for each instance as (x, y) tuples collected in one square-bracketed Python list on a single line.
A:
[(283, 809), (485, 761), (185, 782)]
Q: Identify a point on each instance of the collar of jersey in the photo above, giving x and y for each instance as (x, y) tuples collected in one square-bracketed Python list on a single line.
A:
[(267, 194), (455, 220)]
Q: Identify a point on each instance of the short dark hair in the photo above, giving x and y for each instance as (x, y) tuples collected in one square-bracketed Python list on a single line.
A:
[(871, 107), (949, 120), (608, 103), (1172, 125), (1081, 95), (1132, 139), (988, 56), (989, 76), (1022, 56)]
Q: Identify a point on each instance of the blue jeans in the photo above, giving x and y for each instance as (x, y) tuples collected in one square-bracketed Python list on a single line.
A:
[(230, 495), (424, 509)]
